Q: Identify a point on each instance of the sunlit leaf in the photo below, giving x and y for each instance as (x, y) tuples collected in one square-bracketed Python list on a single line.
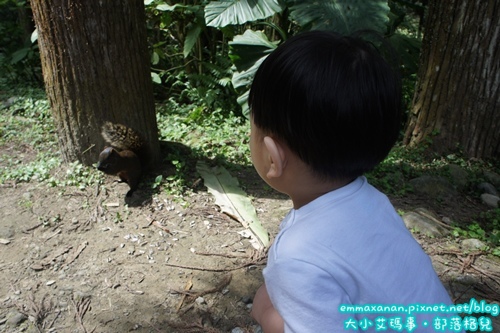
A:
[(232, 12), (34, 36), (156, 78), (155, 58), (232, 200), (248, 48)]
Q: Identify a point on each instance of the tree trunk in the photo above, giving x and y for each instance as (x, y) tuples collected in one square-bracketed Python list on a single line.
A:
[(95, 65), (456, 103)]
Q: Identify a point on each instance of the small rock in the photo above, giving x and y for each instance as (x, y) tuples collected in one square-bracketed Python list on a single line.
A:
[(200, 300), (246, 299), (459, 175), (487, 188), (237, 330), (467, 279), (490, 200), (6, 232), (433, 186), (472, 244), (258, 329), (493, 178), (8, 102), (447, 220), (424, 223), (15, 319)]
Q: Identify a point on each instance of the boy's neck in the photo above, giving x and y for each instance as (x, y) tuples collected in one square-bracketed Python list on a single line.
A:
[(309, 188)]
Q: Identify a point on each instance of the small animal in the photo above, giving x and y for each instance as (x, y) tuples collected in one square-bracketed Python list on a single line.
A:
[(127, 155)]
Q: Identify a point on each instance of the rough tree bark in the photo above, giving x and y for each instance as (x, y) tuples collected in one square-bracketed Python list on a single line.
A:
[(457, 101), (95, 65)]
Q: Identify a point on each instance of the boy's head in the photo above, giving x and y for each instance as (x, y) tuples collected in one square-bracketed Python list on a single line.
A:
[(332, 100)]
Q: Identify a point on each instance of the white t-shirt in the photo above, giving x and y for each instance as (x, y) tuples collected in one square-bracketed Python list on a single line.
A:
[(349, 247)]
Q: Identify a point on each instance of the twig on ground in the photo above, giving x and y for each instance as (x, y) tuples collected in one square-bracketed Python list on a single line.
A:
[(217, 270), (256, 258), (33, 228), (54, 320), (42, 264), (224, 255), (218, 288), (37, 310), (57, 232), (156, 224), (72, 256), (81, 305), (187, 287), (190, 296)]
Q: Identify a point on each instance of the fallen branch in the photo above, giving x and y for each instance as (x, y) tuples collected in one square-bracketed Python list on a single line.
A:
[(42, 264), (218, 288), (257, 258), (217, 270), (72, 257), (32, 228), (192, 295), (37, 310), (187, 287), (82, 305), (224, 255), (57, 232)]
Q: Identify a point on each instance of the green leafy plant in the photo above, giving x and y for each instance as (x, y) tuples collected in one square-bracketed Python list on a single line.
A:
[(472, 231), (19, 56), (345, 17), (28, 126), (157, 182), (486, 229)]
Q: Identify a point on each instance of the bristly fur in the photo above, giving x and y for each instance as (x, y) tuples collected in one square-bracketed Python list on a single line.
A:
[(122, 137), (128, 156)]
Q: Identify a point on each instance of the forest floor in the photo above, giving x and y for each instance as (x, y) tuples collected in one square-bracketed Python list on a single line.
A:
[(78, 260)]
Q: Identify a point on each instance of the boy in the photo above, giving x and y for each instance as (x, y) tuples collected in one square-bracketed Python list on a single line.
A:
[(324, 110)]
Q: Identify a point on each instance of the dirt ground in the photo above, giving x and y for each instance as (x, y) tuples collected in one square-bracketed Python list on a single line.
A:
[(83, 261)]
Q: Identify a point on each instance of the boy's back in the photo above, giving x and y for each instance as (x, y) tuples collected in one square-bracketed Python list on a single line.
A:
[(348, 247)]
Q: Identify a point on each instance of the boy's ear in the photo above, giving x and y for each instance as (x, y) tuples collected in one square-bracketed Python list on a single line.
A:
[(276, 156)]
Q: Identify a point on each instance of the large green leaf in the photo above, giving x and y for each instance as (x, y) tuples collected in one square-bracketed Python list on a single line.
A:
[(248, 51), (245, 78), (243, 102), (168, 8), (232, 200), (342, 16), (191, 38), (248, 48), (232, 12)]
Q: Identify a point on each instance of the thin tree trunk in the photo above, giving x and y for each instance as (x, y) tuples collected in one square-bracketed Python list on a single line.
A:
[(95, 64), (457, 101)]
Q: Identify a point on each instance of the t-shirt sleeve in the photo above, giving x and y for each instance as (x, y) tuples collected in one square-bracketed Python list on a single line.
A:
[(306, 296)]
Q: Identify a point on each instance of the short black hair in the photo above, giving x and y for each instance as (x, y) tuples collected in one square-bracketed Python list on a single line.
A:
[(332, 99)]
